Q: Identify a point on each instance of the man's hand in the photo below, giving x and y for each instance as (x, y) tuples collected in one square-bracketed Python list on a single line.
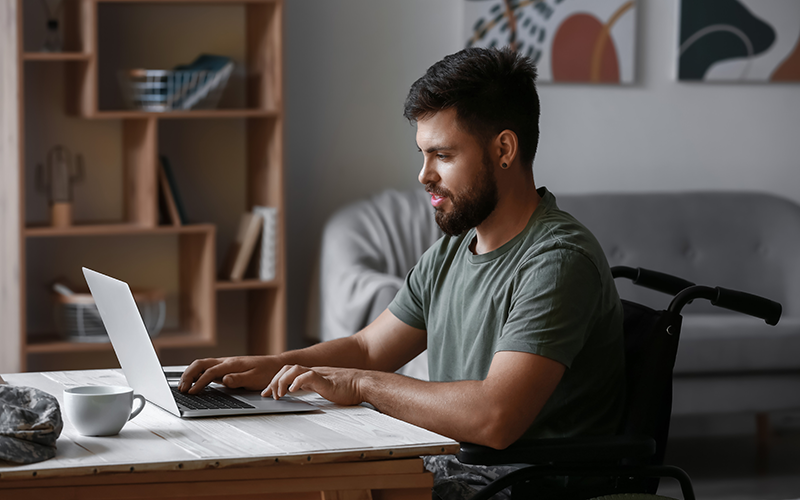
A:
[(385, 345), (248, 372), (339, 385)]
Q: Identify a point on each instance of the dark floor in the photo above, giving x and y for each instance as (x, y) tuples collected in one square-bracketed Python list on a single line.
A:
[(731, 468)]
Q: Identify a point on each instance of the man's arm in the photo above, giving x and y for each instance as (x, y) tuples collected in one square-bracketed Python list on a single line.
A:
[(384, 345), (493, 412)]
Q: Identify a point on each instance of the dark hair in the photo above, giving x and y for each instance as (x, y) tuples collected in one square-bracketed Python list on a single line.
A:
[(491, 89)]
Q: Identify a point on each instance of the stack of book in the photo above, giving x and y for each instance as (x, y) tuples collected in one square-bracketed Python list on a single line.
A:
[(257, 229), (256, 234), (171, 206)]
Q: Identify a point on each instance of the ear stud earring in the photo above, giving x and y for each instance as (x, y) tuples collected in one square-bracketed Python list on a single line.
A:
[(504, 165)]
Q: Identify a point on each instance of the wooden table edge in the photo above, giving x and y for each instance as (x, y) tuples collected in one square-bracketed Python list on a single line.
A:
[(263, 467)]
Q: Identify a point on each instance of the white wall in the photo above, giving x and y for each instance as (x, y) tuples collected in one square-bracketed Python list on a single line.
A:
[(665, 135), (349, 64)]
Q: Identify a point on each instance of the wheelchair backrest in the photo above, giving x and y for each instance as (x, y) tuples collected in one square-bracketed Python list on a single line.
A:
[(651, 344)]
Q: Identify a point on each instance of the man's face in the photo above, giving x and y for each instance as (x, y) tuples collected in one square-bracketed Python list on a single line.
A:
[(458, 173)]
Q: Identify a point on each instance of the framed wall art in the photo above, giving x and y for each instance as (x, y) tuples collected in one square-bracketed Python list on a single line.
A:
[(739, 41), (579, 41)]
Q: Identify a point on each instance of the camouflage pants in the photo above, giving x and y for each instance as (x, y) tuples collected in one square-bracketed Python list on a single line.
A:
[(453, 480)]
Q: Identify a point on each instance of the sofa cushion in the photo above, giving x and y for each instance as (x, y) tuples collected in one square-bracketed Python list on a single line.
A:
[(741, 240), (719, 343)]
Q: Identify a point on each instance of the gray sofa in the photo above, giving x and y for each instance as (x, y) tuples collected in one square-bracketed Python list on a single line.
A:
[(727, 362)]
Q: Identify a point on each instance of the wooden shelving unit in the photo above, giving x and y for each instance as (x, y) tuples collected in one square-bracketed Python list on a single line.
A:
[(197, 244)]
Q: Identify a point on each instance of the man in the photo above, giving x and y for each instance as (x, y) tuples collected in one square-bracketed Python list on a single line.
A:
[(515, 305)]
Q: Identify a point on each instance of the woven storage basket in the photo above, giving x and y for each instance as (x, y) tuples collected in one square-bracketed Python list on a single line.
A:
[(78, 319), (168, 90)]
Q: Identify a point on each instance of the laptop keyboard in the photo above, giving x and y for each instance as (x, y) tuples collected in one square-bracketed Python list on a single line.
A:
[(208, 399)]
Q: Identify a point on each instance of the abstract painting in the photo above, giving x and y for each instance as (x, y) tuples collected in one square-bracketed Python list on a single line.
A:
[(580, 41), (739, 41)]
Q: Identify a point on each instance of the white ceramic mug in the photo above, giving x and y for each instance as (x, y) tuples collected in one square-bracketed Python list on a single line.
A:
[(100, 410)]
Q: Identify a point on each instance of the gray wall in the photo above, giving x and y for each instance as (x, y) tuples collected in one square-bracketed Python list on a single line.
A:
[(349, 64), (348, 67)]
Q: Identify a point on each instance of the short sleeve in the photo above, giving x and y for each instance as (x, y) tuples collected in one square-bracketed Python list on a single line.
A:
[(409, 303), (553, 304)]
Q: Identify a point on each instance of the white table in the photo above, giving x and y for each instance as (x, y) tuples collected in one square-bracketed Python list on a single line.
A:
[(333, 452)]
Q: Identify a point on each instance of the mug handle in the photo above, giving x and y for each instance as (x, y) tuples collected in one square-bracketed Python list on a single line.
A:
[(140, 408)]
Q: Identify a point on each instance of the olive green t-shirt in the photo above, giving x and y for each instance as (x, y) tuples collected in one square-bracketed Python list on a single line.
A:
[(548, 291)]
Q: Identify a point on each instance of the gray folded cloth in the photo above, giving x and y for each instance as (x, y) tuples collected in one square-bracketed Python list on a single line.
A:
[(368, 247), (30, 423)]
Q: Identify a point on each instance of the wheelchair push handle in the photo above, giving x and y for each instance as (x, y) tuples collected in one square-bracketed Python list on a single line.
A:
[(685, 291), (754, 305), (654, 280), (742, 302)]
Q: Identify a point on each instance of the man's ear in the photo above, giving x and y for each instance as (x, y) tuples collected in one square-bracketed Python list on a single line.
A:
[(507, 146)]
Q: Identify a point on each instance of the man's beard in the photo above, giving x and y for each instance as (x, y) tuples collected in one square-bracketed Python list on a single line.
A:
[(470, 207)]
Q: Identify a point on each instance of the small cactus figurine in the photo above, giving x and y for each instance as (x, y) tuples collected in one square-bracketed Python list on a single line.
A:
[(52, 41), (56, 180)]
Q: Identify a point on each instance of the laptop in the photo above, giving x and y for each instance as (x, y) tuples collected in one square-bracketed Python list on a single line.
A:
[(141, 366)]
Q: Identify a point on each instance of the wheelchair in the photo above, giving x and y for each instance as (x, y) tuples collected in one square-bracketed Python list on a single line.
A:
[(629, 464)]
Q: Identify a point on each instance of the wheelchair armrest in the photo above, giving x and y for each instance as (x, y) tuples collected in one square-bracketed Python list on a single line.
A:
[(561, 450)]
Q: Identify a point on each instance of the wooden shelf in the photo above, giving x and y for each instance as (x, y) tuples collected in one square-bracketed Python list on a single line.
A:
[(114, 229), (248, 284), (144, 137), (166, 340), (55, 56), (197, 114)]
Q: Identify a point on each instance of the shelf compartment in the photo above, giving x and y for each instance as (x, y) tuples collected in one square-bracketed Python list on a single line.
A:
[(34, 26), (45, 344), (178, 259), (180, 32)]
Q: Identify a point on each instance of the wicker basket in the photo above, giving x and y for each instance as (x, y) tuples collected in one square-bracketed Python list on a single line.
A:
[(168, 90), (78, 319)]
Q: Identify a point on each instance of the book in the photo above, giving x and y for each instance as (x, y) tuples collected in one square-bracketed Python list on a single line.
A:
[(167, 206), (267, 254), (173, 188), (250, 226)]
